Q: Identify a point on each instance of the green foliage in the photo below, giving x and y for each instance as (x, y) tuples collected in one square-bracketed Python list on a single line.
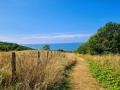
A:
[(1, 79), (46, 47), (106, 40), (106, 75), (61, 50), (4, 46), (83, 48)]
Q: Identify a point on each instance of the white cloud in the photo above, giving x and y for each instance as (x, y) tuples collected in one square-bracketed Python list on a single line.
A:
[(46, 38)]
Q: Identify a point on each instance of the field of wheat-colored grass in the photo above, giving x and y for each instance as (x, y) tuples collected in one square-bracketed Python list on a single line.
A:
[(106, 69), (43, 73), (112, 61)]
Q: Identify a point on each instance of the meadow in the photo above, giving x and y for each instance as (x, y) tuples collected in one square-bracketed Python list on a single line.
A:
[(106, 69), (45, 70)]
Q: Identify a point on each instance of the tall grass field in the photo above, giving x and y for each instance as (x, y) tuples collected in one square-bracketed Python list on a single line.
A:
[(32, 73)]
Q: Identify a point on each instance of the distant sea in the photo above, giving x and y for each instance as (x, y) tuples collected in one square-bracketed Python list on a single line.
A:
[(64, 46)]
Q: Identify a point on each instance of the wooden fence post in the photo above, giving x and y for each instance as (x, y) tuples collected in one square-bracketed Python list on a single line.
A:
[(51, 55), (13, 66), (47, 55), (38, 57)]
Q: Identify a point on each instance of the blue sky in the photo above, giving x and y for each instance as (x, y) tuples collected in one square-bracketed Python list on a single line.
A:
[(54, 21)]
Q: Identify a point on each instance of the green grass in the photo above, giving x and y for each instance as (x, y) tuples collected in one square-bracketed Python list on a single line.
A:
[(109, 78), (106, 69)]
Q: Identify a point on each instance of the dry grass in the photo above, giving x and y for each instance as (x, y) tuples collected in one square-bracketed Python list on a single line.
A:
[(43, 74), (106, 69), (112, 61)]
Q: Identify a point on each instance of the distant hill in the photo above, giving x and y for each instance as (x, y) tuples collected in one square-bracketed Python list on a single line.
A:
[(5, 46)]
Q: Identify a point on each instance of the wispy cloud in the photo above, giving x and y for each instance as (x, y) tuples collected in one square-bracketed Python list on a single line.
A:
[(46, 38)]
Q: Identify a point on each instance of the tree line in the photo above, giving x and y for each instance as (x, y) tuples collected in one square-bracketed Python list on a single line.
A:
[(105, 41)]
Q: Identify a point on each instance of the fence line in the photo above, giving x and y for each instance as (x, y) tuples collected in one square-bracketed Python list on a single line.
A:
[(38, 57), (13, 66), (13, 61)]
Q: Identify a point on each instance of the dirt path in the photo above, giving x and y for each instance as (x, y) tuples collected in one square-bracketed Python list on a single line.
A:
[(80, 78)]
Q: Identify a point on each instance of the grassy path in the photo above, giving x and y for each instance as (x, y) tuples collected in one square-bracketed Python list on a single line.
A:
[(81, 78)]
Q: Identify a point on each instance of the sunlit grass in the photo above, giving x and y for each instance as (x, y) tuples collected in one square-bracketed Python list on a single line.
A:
[(106, 69), (33, 73)]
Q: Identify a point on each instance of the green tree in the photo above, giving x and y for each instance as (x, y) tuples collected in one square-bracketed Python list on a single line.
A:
[(83, 48), (61, 50), (46, 47), (106, 40)]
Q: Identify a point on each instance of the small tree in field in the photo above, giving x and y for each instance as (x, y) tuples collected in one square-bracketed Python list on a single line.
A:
[(46, 47)]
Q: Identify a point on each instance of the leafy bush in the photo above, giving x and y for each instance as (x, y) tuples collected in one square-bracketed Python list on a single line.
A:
[(61, 50)]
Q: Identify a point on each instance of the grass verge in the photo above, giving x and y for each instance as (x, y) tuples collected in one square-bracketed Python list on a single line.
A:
[(106, 69), (65, 82)]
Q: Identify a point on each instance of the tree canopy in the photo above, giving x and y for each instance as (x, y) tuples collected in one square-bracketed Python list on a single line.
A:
[(106, 40)]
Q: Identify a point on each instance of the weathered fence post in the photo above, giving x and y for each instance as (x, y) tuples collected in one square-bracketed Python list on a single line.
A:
[(51, 54), (38, 57), (47, 55), (13, 66)]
